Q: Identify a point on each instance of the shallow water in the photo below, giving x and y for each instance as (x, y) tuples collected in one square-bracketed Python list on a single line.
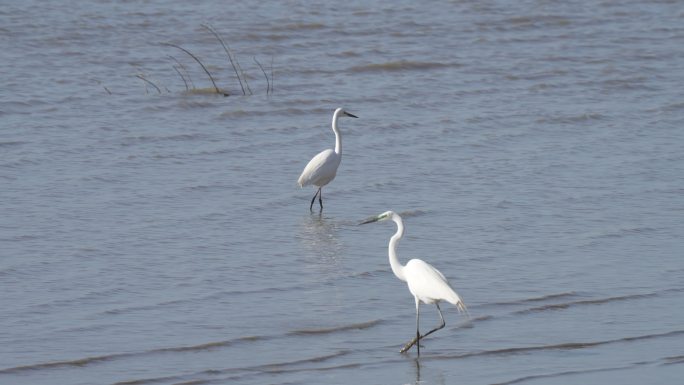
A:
[(534, 149)]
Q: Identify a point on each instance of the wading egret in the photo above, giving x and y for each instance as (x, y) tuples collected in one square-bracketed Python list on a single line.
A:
[(425, 282), (322, 168)]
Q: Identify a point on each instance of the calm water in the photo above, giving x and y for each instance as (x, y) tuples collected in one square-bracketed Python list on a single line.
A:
[(535, 149)]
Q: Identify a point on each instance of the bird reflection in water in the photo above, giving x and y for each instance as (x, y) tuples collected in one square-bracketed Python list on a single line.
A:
[(435, 378), (417, 361), (318, 236)]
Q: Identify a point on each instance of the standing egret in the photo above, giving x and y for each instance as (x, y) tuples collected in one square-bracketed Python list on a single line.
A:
[(425, 282), (322, 168)]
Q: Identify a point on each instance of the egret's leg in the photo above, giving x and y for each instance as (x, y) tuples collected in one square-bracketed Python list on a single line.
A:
[(441, 325), (314, 199), (417, 329), (320, 197), (417, 337)]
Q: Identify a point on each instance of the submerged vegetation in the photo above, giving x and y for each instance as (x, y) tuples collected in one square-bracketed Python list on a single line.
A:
[(182, 71)]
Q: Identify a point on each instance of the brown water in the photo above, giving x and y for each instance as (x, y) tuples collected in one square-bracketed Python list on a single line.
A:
[(535, 150)]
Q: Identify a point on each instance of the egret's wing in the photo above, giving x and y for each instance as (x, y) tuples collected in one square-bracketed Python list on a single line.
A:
[(429, 284), (320, 170)]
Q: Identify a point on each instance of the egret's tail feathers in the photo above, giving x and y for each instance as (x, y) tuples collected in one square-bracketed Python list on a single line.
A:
[(460, 305), (462, 308)]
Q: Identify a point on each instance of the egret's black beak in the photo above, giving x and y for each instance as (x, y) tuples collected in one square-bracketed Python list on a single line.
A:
[(370, 220), (351, 115)]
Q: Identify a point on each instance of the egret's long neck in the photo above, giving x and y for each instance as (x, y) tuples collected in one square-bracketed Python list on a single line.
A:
[(397, 267), (338, 136)]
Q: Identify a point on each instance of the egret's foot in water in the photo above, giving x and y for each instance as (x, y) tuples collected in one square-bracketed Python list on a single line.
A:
[(410, 344)]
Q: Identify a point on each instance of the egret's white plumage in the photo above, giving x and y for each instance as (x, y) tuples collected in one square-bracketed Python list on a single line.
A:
[(429, 285), (322, 168), (426, 283)]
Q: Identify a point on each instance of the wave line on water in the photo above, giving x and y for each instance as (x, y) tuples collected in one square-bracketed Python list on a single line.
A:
[(334, 329), (401, 65), (278, 367), (81, 362), (319, 369), (661, 361), (673, 360), (534, 299), (210, 296), (598, 301), (565, 373), (60, 364), (560, 346)]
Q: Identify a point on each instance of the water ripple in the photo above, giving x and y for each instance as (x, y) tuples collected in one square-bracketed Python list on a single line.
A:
[(401, 65), (597, 301), (354, 326), (561, 346), (81, 362)]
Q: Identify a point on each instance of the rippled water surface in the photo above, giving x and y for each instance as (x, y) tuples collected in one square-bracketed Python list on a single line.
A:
[(153, 234)]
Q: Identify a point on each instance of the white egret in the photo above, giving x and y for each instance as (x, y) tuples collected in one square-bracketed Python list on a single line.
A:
[(322, 168), (425, 282)]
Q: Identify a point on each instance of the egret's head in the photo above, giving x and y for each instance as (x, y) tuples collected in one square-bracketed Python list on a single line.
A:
[(382, 217), (340, 112)]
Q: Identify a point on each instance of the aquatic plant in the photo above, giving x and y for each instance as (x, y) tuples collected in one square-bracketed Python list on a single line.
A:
[(182, 71)]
